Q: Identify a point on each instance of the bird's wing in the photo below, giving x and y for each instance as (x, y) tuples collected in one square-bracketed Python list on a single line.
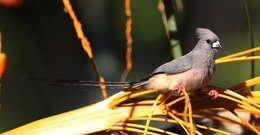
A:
[(175, 66)]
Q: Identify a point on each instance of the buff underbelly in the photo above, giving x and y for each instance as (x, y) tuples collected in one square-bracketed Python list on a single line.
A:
[(163, 82)]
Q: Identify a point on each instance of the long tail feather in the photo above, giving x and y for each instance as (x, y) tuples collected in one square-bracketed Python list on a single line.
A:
[(88, 83), (64, 82)]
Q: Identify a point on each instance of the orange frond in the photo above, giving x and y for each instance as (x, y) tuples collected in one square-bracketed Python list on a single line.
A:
[(240, 53)]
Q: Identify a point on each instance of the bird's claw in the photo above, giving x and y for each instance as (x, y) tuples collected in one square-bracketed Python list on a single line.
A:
[(213, 94), (179, 89)]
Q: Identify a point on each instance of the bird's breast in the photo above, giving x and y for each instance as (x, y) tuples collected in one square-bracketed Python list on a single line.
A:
[(192, 79)]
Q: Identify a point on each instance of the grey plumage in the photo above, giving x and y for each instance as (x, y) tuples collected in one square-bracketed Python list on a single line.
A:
[(175, 66), (197, 67), (204, 34), (185, 62)]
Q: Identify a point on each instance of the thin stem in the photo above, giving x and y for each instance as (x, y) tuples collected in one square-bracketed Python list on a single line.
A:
[(170, 24), (151, 114), (85, 44), (129, 40), (1, 79), (251, 35), (1, 40), (240, 53)]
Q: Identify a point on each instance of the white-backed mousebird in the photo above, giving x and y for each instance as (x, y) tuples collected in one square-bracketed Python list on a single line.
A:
[(191, 71)]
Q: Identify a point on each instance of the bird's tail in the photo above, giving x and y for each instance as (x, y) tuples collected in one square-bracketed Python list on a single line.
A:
[(96, 83), (63, 82)]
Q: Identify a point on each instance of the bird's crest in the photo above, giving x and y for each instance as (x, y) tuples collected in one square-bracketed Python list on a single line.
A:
[(204, 33)]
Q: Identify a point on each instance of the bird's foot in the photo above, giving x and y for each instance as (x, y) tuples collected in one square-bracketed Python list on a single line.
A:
[(179, 89), (213, 94)]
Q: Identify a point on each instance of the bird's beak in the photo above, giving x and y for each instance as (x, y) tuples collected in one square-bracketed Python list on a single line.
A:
[(216, 45)]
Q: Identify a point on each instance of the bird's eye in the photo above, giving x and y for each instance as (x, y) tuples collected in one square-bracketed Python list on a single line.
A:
[(209, 41)]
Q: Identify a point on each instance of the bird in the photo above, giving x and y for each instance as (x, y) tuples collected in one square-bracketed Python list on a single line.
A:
[(191, 71)]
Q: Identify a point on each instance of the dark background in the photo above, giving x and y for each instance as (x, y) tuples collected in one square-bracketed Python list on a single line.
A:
[(40, 41)]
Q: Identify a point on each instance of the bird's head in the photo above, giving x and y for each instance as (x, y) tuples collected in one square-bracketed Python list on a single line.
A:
[(207, 39)]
